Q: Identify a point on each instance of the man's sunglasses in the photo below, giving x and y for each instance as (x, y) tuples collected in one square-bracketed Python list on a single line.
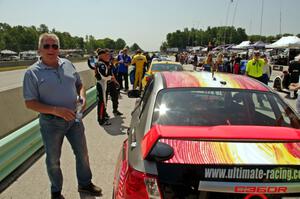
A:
[(53, 46)]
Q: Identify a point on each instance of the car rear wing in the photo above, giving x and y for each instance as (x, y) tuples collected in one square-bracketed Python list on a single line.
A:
[(218, 133)]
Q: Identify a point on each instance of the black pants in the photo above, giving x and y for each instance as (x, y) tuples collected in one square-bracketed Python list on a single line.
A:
[(101, 109), (121, 76), (114, 94), (295, 79)]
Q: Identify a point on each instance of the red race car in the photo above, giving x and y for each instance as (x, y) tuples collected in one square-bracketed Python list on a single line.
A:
[(198, 136)]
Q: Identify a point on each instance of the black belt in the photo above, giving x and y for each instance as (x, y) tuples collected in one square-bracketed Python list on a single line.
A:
[(50, 116)]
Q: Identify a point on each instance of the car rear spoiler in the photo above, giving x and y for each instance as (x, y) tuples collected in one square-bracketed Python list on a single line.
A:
[(218, 133)]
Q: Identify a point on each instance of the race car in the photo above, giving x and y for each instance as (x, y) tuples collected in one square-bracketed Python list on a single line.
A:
[(158, 66), (196, 136)]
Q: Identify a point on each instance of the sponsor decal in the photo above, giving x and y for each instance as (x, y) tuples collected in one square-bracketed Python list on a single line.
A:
[(260, 189), (241, 173)]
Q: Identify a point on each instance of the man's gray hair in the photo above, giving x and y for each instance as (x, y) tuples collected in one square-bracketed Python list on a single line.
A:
[(48, 35)]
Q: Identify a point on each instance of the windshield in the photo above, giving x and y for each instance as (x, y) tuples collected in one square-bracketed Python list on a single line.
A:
[(209, 107), (166, 67)]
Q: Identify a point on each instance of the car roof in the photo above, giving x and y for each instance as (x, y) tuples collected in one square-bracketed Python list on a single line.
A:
[(204, 79), (164, 62)]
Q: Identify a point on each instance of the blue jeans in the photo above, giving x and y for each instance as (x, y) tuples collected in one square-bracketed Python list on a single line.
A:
[(53, 130)]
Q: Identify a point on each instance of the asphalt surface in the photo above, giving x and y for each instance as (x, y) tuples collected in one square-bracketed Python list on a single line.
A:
[(104, 144)]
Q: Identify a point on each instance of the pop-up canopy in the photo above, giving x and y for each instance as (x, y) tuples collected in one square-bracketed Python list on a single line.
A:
[(8, 52), (286, 42), (243, 45)]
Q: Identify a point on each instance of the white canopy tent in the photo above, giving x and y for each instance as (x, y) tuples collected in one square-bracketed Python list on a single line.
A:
[(8, 52), (243, 45), (286, 42)]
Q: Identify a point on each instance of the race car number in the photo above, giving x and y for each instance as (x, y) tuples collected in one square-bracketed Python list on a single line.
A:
[(260, 189)]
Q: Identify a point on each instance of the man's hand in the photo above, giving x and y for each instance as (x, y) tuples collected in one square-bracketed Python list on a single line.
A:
[(64, 113), (83, 103), (294, 86)]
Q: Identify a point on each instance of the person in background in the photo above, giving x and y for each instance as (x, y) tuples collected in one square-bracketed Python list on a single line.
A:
[(209, 64), (232, 60), (147, 65), (50, 87), (295, 87), (254, 69), (219, 63), (255, 66), (112, 88), (124, 61), (177, 56), (195, 61), (266, 70), (294, 71), (103, 75), (237, 64), (139, 61)]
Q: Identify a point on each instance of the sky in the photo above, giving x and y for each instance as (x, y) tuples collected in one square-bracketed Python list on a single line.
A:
[(147, 23)]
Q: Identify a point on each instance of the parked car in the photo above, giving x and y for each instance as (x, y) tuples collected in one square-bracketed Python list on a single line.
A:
[(158, 66), (10, 58), (194, 136)]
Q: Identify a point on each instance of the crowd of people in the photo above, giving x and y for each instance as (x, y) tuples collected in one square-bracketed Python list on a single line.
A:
[(112, 76)]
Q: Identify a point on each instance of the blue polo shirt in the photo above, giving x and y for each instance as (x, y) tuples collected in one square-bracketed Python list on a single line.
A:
[(52, 86)]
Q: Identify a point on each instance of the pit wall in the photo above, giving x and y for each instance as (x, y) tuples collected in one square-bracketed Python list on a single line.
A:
[(14, 114)]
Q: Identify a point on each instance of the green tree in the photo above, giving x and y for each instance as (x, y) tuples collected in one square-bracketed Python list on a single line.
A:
[(164, 46), (120, 44), (43, 28), (134, 47), (90, 44)]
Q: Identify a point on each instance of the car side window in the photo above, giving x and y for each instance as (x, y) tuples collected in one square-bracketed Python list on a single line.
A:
[(287, 117), (146, 95)]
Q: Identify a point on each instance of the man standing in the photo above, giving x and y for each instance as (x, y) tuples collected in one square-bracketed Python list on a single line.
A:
[(255, 66), (294, 70), (50, 87), (103, 75), (254, 69), (112, 88), (139, 61), (124, 61)]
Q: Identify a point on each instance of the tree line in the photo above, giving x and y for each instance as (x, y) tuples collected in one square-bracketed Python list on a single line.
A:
[(214, 35), (21, 38)]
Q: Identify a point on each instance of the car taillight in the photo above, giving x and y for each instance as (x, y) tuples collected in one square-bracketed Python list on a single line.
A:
[(141, 186), (152, 188)]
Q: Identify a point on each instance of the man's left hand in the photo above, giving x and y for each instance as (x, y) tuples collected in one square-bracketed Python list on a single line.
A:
[(83, 103)]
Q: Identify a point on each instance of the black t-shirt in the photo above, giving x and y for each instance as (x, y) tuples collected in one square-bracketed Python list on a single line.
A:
[(238, 60), (294, 70)]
